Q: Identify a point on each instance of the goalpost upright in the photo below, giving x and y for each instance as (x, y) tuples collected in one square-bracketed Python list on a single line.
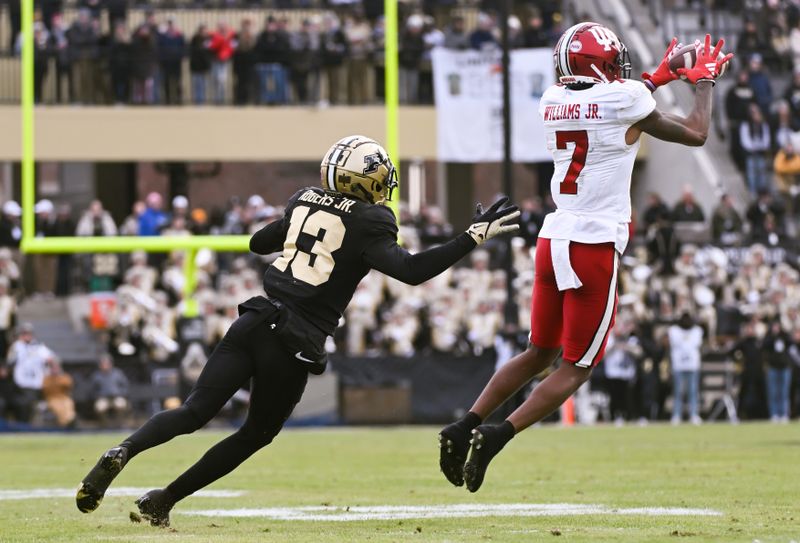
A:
[(191, 244)]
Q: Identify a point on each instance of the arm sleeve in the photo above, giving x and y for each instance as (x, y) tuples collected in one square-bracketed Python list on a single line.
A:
[(386, 256), (637, 104), (270, 238)]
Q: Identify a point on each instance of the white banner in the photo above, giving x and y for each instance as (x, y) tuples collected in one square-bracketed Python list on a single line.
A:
[(468, 89)]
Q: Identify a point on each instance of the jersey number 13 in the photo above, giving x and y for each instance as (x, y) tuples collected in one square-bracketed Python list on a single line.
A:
[(315, 265)]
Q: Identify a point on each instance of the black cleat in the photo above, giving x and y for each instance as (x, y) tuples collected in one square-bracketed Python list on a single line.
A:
[(453, 447), (155, 506), (94, 485), (486, 442)]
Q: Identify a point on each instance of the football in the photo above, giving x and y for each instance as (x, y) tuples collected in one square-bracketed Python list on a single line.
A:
[(685, 57)]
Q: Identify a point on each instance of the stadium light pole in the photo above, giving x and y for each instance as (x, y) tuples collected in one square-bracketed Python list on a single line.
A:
[(506, 7), (391, 90)]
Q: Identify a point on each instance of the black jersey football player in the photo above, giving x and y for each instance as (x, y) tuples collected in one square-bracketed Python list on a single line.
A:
[(330, 237)]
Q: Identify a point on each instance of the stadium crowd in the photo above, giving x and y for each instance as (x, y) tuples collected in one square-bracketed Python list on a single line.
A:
[(330, 57), (733, 295), (762, 107)]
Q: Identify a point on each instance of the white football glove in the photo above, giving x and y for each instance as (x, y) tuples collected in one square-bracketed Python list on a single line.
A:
[(494, 221)]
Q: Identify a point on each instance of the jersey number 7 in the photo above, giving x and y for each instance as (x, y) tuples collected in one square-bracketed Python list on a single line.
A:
[(581, 140), (315, 265)]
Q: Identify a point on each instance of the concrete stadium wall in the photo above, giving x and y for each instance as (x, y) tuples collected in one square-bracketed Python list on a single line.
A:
[(208, 133)]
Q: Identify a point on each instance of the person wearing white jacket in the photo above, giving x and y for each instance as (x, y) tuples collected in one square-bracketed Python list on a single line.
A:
[(685, 340)]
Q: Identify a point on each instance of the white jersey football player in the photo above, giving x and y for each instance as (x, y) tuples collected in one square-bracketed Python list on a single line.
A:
[(593, 119)]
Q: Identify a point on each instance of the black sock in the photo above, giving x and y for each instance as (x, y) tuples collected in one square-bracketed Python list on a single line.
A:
[(469, 421), (506, 432)]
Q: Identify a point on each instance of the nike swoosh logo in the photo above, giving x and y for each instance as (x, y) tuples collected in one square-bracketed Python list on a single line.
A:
[(299, 355)]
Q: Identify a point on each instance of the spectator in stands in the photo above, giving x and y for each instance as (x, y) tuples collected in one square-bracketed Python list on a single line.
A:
[(412, 47), (305, 45), (60, 47), (750, 41), (756, 143), (10, 231), (41, 57), (483, 36), (9, 268), (109, 388), (273, 56), (200, 63), (57, 392), (359, 43), (654, 210), (119, 63), (455, 35), (531, 219), (780, 57), (42, 269), (747, 351), (130, 226), (171, 50), (784, 127), (180, 210), (685, 341), (663, 246), (792, 95), (144, 61), (535, 34), (764, 214), (153, 218), (515, 37), (83, 47), (334, 49), (245, 57), (96, 221), (787, 172), (726, 223), (8, 314), (117, 11), (737, 109), (483, 324), (27, 359), (687, 209), (6, 389), (779, 371), (378, 59), (433, 228), (221, 47), (619, 365), (432, 38), (760, 83)]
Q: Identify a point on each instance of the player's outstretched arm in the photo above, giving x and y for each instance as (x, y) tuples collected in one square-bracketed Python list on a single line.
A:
[(386, 256), (691, 130), (269, 239)]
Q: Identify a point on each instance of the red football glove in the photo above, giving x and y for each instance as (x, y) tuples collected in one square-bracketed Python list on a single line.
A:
[(707, 66), (663, 74)]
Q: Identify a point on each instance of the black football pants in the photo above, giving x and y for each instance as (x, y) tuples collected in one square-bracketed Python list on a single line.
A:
[(250, 350)]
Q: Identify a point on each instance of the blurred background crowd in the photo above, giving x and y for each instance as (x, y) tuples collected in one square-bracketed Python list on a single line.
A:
[(333, 55), (697, 289), (736, 296)]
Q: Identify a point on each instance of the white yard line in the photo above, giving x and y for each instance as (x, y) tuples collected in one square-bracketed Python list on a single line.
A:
[(44, 493), (401, 512)]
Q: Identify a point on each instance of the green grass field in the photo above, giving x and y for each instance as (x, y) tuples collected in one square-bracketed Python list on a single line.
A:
[(748, 473)]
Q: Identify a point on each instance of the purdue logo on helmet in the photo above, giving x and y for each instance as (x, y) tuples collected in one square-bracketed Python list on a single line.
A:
[(360, 167)]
